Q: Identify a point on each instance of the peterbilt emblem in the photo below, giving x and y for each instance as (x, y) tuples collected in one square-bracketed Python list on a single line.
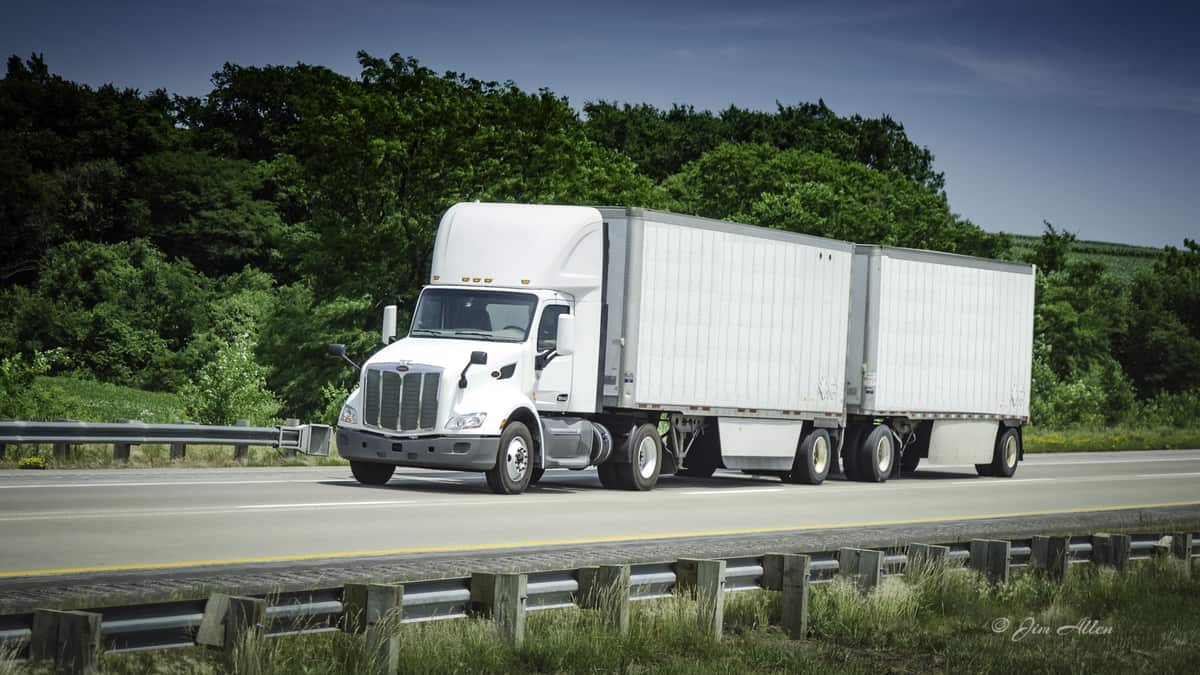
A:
[(402, 367)]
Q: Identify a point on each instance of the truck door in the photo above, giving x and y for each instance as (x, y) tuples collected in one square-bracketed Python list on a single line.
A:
[(552, 382)]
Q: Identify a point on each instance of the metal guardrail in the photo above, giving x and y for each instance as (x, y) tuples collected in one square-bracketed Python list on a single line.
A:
[(312, 439), (172, 624)]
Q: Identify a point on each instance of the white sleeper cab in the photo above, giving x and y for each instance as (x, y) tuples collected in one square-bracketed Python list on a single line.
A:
[(646, 343)]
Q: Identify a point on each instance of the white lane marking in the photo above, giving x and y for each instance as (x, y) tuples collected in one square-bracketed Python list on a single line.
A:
[(1007, 481), (1167, 475), (731, 491), (311, 505), (1037, 462)]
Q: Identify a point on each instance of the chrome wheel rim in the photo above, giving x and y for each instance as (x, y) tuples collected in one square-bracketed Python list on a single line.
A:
[(883, 455), (516, 459), (1010, 451), (647, 457), (820, 453)]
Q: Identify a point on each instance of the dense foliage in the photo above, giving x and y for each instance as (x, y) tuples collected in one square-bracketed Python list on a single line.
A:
[(214, 245)]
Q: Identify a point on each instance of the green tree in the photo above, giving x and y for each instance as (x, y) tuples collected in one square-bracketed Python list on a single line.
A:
[(231, 387), (1161, 349)]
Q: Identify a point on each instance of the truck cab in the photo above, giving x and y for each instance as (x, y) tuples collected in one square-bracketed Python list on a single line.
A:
[(492, 364)]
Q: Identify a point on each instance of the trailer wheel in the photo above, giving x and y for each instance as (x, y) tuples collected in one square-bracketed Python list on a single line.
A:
[(1005, 455), (813, 459), (645, 459), (372, 473), (514, 461), (876, 454)]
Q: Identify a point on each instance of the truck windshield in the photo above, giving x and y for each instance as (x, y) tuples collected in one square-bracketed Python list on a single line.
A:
[(467, 314)]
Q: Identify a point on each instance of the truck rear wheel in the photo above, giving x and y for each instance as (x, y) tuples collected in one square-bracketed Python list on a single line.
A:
[(1005, 455), (645, 460), (514, 461), (371, 473), (876, 454), (813, 459)]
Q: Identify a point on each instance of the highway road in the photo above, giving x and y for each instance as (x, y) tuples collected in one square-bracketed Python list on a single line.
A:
[(84, 522)]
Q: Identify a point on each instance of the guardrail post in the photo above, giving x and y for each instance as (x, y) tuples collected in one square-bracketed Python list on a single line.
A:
[(706, 579), (606, 588), (178, 450), (375, 609), (503, 597), (69, 639), (1181, 547), (244, 618), (925, 559), (863, 566), (794, 586), (991, 556), (241, 451), (1110, 550), (1051, 555), (3, 451), (62, 452), (290, 422)]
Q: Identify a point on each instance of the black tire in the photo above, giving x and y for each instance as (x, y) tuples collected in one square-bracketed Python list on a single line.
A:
[(1005, 455), (514, 461), (876, 454), (909, 461), (850, 452), (644, 448), (813, 459), (536, 476), (371, 473)]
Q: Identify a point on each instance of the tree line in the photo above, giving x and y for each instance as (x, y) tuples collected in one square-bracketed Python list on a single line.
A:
[(147, 236)]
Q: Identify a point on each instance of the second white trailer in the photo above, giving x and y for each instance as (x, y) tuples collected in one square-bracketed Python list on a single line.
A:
[(939, 361)]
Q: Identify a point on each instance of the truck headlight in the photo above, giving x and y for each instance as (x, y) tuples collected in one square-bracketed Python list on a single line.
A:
[(349, 415), (468, 421)]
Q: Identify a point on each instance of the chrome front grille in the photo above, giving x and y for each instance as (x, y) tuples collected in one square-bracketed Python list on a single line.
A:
[(401, 400)]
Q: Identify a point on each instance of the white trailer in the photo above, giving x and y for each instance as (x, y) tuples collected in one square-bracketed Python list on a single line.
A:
[(939, 361), (636, 341)]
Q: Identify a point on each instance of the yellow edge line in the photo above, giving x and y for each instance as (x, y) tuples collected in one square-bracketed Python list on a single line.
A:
[(582, 540)]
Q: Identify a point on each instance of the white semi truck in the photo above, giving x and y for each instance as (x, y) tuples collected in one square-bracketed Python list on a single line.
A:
[(646, 343)]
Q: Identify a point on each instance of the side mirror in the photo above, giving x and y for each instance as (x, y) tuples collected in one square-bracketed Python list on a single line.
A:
[(565, 341), (388, 333), (339, 350), (479, 358)]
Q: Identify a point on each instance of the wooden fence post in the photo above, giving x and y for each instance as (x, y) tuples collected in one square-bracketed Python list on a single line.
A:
[(1181, 547), (1111, 550), (241, 451), (178, 450), (991, 556), (62, 452), (864, 566), (606, 588), (377, 610), (706, 580), (503, 597), (69, 639), (794, 586), (244, 629), (1051, 555), (924, 559)]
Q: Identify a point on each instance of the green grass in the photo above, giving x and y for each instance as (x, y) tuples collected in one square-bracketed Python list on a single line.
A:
[(1080, 440), (101, 402), (1143, 621), (1123, 261)]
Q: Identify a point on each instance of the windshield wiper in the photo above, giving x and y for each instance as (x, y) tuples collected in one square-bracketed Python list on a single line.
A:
[(425, 331), (482, 333)]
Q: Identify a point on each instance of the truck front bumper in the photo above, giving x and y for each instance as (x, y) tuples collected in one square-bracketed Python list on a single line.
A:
[(469, 453)]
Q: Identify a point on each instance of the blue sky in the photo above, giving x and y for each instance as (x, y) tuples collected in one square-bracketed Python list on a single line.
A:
[(1086, 114)]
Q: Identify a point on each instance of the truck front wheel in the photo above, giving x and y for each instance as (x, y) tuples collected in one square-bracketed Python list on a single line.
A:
[(371, 473), (645, 460), (514, 461)]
